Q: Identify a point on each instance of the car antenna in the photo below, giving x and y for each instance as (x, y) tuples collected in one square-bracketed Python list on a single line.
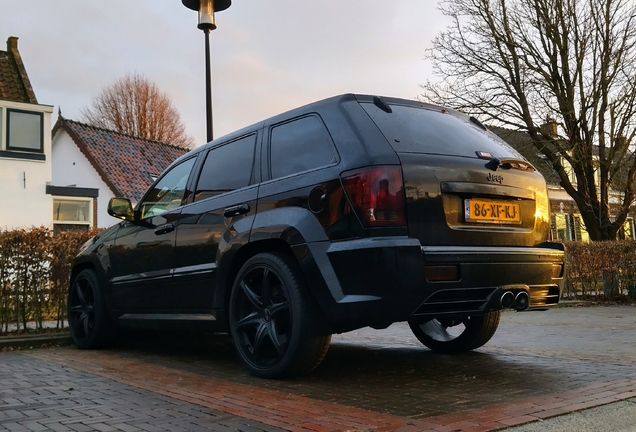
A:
[(380, 103)]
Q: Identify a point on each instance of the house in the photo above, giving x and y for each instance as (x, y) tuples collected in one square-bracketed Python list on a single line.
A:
[(91, 165), (567, 223), (25, 146)]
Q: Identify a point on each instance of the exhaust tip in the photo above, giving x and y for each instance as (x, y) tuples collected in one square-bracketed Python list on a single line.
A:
[(507, 300), (522, 301)]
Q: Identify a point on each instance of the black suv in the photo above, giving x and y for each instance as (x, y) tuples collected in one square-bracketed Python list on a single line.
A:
[(349, 212)]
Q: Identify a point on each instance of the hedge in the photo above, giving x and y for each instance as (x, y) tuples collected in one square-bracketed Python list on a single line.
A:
[(34, 275), (606, 269), (35, 269)]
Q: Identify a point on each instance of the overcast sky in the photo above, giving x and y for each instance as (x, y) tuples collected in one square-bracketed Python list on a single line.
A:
[(267, 56)]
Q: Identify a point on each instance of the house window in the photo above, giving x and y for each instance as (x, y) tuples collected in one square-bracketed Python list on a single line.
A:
[(25, 131), (72, 211), (580, 232), (562, 227)]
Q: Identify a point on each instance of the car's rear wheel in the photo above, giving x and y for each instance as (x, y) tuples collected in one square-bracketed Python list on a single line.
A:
[(270, 319), (88, 319), (455, 336)]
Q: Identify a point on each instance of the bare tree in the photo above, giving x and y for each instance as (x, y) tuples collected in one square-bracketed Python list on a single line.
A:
[(517, 63), (135, 106)]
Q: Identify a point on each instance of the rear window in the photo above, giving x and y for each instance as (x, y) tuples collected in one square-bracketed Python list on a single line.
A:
[(420, 130)]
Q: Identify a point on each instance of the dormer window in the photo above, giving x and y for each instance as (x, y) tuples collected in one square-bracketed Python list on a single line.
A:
[(24, 131)]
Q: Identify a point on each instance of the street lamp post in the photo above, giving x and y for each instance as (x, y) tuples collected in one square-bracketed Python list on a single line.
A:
[(206, 9)]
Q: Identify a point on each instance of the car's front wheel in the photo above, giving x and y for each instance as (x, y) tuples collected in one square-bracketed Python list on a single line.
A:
[(270, 318), (88, 319), (452, 336)]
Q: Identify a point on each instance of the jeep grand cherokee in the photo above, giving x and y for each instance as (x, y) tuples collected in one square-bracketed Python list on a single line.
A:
[(349, 212)]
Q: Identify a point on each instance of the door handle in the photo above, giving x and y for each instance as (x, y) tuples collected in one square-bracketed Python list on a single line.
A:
[(164, 229), (236, 210)]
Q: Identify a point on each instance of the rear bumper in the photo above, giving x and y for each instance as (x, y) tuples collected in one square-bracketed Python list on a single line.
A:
[(378, 281)]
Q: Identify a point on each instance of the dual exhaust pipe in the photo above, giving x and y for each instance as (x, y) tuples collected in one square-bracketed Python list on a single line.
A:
[(519, 301)]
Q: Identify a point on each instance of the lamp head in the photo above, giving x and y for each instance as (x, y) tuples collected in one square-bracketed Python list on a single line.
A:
[(206, 9)]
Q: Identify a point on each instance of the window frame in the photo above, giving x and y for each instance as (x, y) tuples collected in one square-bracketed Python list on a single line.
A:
[(90, 202), (268, 158), (7, 132)]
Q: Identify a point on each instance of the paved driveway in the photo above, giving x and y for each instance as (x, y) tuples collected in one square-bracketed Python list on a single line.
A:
[(538, 365)]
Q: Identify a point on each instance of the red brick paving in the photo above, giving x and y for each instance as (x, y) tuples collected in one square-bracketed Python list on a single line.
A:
[(525, 411), (298, 413)]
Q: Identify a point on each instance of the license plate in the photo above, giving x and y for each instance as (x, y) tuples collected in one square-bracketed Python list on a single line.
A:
[(492, 212)]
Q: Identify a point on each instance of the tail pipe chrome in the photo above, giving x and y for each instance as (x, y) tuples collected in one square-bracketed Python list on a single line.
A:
[(522, 301), (507, 300)]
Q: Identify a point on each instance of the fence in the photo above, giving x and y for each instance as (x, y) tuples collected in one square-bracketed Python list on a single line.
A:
[(35, 269)]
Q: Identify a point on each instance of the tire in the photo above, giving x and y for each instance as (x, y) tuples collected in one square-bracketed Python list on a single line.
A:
[(446, 336), (270, 319), (91, 326)]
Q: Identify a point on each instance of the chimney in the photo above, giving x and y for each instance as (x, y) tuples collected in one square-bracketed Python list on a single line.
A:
[(550, 127), (12, 50), (12, 44)]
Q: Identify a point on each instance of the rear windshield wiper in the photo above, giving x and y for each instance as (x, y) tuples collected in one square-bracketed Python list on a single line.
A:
[(509, 163)]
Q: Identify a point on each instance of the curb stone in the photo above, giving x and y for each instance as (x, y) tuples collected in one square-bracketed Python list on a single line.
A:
[(25, 341)]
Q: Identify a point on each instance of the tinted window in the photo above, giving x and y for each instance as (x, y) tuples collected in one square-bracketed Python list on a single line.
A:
[(421, 130), (300, 145), (227, 168), (167, 193)]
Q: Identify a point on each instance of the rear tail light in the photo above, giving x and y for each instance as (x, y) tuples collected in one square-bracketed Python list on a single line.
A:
[(377, 195)]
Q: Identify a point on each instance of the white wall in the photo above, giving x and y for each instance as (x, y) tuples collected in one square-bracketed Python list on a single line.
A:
[(72, 168), (25, 203)]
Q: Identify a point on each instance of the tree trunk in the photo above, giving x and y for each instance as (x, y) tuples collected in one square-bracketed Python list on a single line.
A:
[(610, 283)]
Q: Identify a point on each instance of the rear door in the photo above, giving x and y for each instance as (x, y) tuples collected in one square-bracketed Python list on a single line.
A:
[(217, 222), (464, 185)]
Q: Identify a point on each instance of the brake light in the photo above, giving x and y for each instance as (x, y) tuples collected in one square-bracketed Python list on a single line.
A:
[(377, 195)]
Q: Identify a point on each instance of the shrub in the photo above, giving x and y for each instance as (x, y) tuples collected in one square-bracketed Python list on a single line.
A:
[(34, 275), (601, 269)]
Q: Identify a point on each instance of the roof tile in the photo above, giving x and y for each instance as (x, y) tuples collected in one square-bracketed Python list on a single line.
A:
[(127, 164), (14, 81)]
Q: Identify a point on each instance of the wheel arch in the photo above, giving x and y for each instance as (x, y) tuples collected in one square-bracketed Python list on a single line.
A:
[(275, 245), (90, 264), (285, 230), (80, 266), (229, 272)]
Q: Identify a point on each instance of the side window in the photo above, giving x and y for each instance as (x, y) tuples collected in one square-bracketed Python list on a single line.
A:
[(227, 168), (300, 145), (168, 193)]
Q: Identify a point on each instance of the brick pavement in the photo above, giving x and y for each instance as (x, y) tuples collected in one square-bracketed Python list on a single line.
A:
[(39, 395), (386, 381)]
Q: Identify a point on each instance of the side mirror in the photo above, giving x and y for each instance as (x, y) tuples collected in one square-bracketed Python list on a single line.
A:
[(121, 208)]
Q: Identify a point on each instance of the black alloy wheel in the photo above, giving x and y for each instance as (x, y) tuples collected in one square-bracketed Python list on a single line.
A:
[(452, 336), (270, 319), (88, 320)]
